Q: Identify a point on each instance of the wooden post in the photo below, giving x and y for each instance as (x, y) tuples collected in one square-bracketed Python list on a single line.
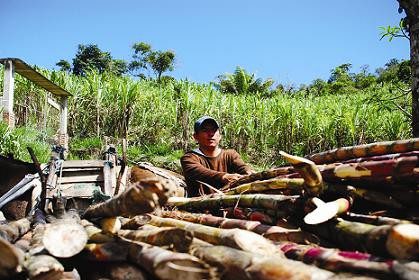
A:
[(108, 185), (63, 136), (8, 87)]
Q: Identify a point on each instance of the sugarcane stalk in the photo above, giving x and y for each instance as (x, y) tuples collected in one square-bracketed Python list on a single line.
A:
[(358, 193), (274, 233), (23, 243), (15, 229), (406, 270), (250, 214), (142, 197), (36, 244), (237, 264), (95, 234), (135, 222), (199, 242), (37, 264), (270, 184), (165, 264), (106, 252), (400, 241), (382, 157), (265, 216), (11, 259), (168, 237), (236, 238), (263, 175), (406, 197), (372, 149), (398, 169), (308, 170), (274, 202), (42, 267), (125, 271), (114, 271), (110, 225), (353, 235), (280, 217), (336, 260), (178, 179), (71, 275), (372, 219)]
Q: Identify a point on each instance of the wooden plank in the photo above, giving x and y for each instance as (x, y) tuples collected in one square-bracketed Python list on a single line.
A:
[(31, 74), (8, 87), (81, 171), (63, 122), (83, 164), (6, 106), (81, 179), (53, 103), (76, 190)]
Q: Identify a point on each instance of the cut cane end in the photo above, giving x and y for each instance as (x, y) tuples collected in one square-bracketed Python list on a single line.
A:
[(403, 242), (64, 240), (322, 213)]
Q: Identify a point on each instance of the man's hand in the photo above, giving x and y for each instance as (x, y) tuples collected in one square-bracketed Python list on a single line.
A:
[(228, 178)]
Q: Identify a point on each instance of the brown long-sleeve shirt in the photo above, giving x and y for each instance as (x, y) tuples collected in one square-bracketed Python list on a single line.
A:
[(210, 170)]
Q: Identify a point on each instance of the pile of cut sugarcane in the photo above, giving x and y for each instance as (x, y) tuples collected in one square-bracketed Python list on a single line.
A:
[(348, 213)]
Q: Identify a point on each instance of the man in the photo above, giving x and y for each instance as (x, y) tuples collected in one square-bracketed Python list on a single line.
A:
[(209, 164)]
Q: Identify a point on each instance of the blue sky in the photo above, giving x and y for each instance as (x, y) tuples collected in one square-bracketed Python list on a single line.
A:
[(292, 42)]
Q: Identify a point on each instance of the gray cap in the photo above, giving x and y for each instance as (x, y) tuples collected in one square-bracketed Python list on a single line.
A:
[(202, 120)]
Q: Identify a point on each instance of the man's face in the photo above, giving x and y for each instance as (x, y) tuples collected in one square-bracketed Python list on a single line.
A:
[(208, 136)]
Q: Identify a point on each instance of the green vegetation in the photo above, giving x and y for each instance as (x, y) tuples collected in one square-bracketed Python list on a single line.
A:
[(15, 142), (91, 58), (144, 58), (157, 118), (242, 82)]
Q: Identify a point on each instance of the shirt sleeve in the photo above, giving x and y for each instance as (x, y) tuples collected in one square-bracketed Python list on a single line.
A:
[(238, 165), (194, 170)]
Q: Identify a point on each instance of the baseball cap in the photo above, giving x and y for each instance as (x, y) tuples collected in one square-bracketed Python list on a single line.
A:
[(202, 120)]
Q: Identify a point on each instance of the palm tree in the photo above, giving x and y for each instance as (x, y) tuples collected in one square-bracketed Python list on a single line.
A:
[(242, 82)]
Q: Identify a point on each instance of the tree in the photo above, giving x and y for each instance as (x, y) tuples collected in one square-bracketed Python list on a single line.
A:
[(91, 57), (118, 67), (161, 62), (242, 82), (395, 71), (64, 65), (318, 86), (139, 61), (404, 73), (340, 80), (340, 73), (410, 23), (364, 79), (145, 57)]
